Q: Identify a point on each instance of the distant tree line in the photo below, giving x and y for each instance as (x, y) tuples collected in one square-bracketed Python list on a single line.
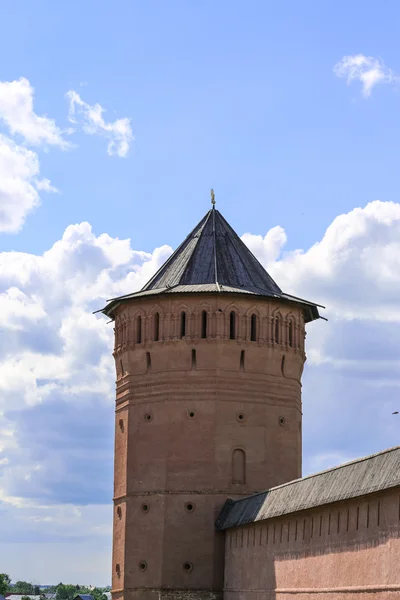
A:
[(62, 591)]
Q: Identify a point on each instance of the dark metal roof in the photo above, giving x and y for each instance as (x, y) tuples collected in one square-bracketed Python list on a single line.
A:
[(84, 597), (212, 259), (214, 253), (357, 478)]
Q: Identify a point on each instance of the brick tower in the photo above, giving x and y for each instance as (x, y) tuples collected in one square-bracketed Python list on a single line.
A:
[(209, 357)]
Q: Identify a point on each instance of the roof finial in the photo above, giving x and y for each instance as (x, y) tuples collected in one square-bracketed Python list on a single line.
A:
[(212, 197)]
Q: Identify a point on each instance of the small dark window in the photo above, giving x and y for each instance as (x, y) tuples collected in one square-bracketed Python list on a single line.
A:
[(139, 330), (148, 361), (283, 365), (189, 506), (187, 566), (290, 333), (238, 466), (232, 325), (253, 332), (193, 358), (145, 508), (142, 565), (121, 425), (119, 512), (277, 330), (204, 324), (148, 417), (183, 324), (118, 569), (156, 327), (191, 414), (242, 360), (240, 417)]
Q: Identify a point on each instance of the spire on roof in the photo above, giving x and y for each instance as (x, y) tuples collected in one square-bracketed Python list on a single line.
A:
[(212, 198)]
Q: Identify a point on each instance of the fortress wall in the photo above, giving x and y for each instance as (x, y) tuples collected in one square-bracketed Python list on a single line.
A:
[(347, 550)]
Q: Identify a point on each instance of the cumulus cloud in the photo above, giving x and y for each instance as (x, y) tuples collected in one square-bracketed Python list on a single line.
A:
[(90, 117), (16, 111), (367, 69), (19, 184), (20, 180), (267, 248), (57, 373)]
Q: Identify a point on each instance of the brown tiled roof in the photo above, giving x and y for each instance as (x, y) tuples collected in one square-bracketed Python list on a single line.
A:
[(357, 478)]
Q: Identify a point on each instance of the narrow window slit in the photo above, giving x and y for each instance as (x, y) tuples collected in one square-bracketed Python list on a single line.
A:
[(238, 466), (253, 328), (156, 327), (242, 360), (358, 517), (148, 361), (277, 330), (232, 325), (204, 324), (290, 333), (193, 358), (183, 324), (139, 330), (283, 365)]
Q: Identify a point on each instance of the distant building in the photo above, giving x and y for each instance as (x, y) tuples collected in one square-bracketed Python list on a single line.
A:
[(11, 596), (83, 597)]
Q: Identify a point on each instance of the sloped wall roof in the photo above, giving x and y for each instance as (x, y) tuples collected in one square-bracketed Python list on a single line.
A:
[(350, 480)]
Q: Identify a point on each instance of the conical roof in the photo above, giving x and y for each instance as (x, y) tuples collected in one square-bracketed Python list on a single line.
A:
[(213, 253), (212, 259)]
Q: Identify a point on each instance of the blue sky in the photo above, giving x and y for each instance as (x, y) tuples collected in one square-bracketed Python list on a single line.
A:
[(291, 112)]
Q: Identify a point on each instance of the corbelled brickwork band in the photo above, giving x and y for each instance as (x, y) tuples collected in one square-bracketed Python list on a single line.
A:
[(264, 322)]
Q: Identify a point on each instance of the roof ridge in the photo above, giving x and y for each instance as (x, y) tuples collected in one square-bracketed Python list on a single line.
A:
[(346, 464), (215, 247), (234, 235)]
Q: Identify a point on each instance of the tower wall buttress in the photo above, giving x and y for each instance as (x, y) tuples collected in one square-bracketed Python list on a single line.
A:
[(210, 407)]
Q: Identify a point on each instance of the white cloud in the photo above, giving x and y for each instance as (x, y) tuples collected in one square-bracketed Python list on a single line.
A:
[(19, 172), (16, 111), (267, 248), (20, 178), (44, 185), (118, 133), (368, 70)]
